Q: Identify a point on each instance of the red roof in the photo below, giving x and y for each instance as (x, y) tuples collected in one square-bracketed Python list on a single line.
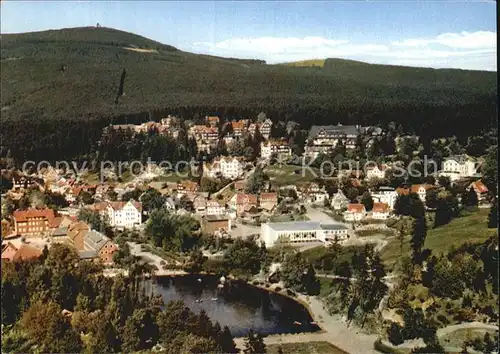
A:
[(380, 207), (268, 197), (238, 124), (24, 215), (246, 199), (479, 187), (402, 191), (356, 208), (27, 252), (414, 188)]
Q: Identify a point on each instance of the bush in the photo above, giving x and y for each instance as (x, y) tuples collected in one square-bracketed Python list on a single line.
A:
[(395, 334)]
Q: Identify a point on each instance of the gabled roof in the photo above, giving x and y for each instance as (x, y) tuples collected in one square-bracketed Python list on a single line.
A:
[(356, 208), (95, 240), (414, 188), (380, 208), (479, 187), (24, 215), (27, 252), (246, 198)]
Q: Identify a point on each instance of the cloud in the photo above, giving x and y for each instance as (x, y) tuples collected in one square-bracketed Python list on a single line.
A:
[(464, 50), (463, 40)]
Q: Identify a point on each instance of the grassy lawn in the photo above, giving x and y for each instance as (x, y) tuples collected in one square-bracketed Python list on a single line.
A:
[(305, 348), (456, 339), (285, 174), (171, 177), (470, 227), (288, 217)]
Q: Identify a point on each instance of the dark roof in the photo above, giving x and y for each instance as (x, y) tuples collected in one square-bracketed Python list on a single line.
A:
[(333, 227), (61, 231), (334, 130), (95, 240)]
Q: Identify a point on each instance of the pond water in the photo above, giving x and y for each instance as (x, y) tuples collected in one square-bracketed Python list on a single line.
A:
[(238, 305)]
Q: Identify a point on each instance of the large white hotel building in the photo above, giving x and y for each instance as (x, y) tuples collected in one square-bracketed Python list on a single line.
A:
[(302, 232)]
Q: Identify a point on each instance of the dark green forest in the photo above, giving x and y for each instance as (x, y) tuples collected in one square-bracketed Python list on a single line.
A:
[(60, 88)]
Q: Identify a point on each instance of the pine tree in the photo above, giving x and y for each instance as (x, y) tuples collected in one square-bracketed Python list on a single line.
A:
[(470, 198), (310, 283), (418, 234), (254, 343), (493, 215)]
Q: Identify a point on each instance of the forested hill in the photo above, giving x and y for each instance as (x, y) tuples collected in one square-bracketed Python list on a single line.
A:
[(73, 76)]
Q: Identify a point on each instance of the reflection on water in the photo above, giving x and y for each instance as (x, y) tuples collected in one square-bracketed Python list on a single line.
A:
[(238, 305)]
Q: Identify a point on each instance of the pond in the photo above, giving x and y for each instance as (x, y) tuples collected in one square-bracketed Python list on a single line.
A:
[(238, 305)]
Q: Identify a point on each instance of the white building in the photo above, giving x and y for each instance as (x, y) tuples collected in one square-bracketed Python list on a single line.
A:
[(457, 167), (380, 211), (278, 147), (124, 215), (214, 208), (302, 232), (339, 201), (385, 195), (226, 167), (376, 171), (355, 212)]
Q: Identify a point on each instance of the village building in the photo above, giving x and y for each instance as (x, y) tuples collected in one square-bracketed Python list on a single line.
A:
[(215, 224), (480, 189), (11, 253), (302, 232), (226, 167), (268, 201), (213, 121), (378, 171), (380, 211), (458, 167), (239, 127), (187, 187), (278, 148), (22, 182), (421, 190), (387, 195), (324, 138), (200, 204), (339, 201), (124, 215), (312, 193), (355, 212), (214, 208), (241, 202), (240, 185), (101, 245), (76, 233), (35, 222)]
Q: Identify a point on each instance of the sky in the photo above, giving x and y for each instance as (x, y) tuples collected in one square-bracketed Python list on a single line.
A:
[(439, 34)]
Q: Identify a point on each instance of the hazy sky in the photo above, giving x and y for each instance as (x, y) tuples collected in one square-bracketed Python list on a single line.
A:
[(457, 34)]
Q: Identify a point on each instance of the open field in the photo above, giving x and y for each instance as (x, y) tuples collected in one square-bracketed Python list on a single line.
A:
[(307, 63), (470, 227), (289, 174)]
